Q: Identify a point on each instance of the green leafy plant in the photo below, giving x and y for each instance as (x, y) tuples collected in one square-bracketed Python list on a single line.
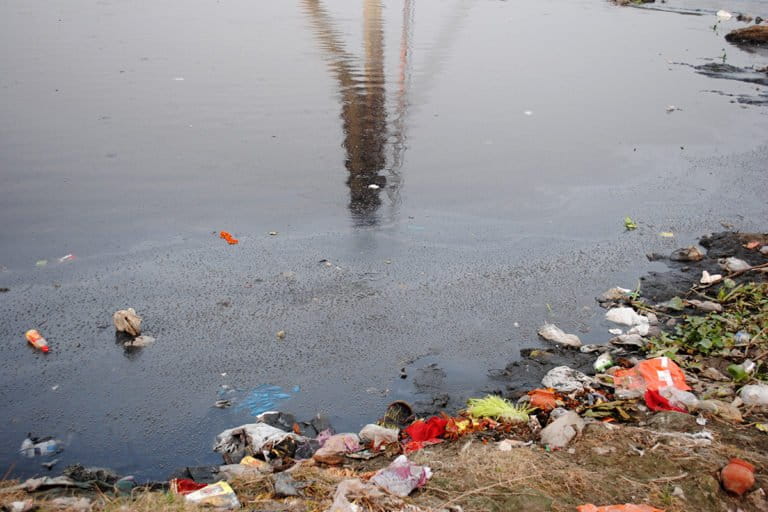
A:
[(745, 308)]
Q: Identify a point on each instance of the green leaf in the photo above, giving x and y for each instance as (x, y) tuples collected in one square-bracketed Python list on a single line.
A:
[(675, 303), (629, 224), (738, 373)]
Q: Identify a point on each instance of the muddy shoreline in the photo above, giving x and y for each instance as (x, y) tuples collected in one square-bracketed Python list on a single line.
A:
[(685, 268)]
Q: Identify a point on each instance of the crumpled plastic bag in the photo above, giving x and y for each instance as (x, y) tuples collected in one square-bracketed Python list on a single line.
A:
[(335, 447), (350, 490), (733, 264), (756, 394), (562, 431), (218, 495), (566, 380), (553, 333), (126, 320), (618, 508), (378, 435), (47, 482), (402, 476), (255, 438), (658, 402), (625, 316), (721, 409), (650, 374)]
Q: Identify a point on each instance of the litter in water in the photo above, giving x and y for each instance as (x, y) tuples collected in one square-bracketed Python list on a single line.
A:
[(228, 237), (127, 321), (36, 340), (553, 333), (261, 399)]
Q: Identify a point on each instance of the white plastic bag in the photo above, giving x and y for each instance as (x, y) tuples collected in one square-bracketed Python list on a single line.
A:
[(401, 477)]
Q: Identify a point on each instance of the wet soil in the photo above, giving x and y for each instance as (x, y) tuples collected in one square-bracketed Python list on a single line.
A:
[(677, 281)]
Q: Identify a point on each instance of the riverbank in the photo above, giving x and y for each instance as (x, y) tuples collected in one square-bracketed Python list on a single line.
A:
[(706, 313)]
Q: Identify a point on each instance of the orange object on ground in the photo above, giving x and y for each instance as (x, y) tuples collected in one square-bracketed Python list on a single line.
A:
[(36, 340), (618, 508), (543, 399), (228, 237), (738, 476), (652, 374)]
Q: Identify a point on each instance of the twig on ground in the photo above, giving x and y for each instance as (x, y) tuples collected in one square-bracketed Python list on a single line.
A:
[(485, 488), (665, 479)]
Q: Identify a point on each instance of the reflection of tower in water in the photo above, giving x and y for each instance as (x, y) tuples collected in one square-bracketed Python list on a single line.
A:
[(364, 112), (365, 122)]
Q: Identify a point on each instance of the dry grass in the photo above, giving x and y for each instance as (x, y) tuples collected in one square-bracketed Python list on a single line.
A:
[(483, 478)]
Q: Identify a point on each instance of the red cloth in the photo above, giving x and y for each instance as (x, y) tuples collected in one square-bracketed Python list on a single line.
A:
[(429, 430), (185, 485), (656, 402)]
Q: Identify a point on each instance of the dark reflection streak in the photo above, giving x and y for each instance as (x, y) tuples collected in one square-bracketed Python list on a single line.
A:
[(363, 106)]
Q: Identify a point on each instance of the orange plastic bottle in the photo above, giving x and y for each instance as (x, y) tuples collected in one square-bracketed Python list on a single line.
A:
[(738, 476), (36, 340)]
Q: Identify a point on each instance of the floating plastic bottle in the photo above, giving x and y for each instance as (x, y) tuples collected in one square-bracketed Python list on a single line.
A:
[(36, 340), (35, 447)]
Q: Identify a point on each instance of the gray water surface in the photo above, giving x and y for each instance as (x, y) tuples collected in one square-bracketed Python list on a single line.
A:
[(461, 165)]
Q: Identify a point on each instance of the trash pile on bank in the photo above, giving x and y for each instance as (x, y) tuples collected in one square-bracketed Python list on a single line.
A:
[(647, 366)]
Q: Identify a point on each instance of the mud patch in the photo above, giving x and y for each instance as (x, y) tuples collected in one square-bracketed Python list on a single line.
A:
[(432, 384), (748, 75), (518, 377), (662, 286)]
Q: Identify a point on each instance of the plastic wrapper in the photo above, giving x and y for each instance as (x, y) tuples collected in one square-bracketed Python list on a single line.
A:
[(378, 435), (255, 438), (401, 477), (218, 495)]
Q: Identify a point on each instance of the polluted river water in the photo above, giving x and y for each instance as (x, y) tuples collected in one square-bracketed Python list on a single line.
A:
[(411, 185)]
